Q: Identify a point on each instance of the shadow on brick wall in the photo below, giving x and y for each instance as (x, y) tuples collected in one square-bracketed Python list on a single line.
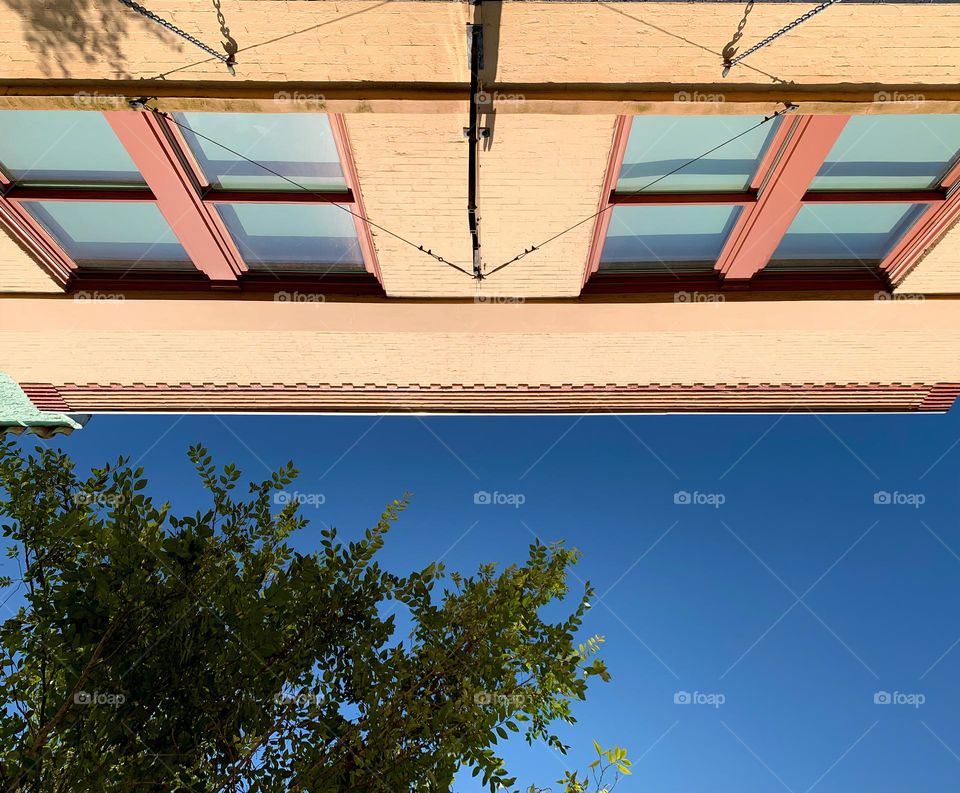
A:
[(67, 34)]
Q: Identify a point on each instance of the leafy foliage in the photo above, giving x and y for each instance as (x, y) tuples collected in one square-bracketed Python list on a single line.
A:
[(201, 652)]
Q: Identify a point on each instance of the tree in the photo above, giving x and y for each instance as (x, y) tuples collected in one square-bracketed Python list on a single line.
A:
[(200, 652)]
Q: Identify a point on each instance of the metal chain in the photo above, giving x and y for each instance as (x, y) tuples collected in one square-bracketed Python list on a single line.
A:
[(727, 65), (228, 60)]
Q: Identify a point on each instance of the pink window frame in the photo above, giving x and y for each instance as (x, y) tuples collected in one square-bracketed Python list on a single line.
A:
[(778, 190), (176, 185)]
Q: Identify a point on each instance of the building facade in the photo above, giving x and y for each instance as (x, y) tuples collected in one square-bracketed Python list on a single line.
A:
[(651, 233)]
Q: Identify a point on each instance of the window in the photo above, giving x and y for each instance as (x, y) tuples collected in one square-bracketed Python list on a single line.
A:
[(660, 144), (833, 235), (819, 199), (140, 198), (890, 153), (110, 234), (300, 151), (648, 238), (648, 231), (305, 237), (63, 147), (300, 147)]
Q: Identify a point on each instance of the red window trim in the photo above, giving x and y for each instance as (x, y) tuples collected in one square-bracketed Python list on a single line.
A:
[(21, 226), (176, 185), (779, 188), (621, 133), (760, 228), (929, 228), (341, 137)]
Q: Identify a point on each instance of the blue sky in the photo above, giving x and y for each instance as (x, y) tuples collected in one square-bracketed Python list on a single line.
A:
[(781, 599)]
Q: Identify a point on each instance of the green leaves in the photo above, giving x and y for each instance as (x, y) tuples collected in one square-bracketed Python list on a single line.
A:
[(200, 652)]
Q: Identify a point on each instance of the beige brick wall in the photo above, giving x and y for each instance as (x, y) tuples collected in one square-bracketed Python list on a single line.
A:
[(479, 358), (19, 272), (66, 341), (392, 40), (413, 174), (939, 270), (679, 42), (327, 40), (540, 175)]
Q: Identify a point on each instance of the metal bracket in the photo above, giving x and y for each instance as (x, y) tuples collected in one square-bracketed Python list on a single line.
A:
[(141, 103)]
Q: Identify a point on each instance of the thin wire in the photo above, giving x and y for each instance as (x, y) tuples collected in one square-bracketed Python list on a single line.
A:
[(599, 212), (281, 38), (299, 186)]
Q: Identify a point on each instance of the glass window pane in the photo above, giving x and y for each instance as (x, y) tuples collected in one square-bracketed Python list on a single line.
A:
[(890, 152), (299, 146), (848, 233), (308, 237), (667, 238), (63, 147), (658, 144), (113, 234)]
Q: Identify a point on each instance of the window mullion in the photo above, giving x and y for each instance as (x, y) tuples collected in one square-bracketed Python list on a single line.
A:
[(762, 225), (145, 140)]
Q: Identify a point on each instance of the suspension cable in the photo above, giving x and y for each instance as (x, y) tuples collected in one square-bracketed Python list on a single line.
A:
[(789, 106), (362, 218)]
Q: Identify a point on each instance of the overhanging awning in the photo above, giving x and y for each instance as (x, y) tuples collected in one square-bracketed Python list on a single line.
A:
[(18, 414)]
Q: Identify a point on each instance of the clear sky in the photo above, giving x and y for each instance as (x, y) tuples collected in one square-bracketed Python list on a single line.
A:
[(782, 600)]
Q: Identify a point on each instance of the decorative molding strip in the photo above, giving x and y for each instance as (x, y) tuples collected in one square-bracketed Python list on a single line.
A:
[(456, 398)]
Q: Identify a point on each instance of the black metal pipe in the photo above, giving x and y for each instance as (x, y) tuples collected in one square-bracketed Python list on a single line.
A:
[(473, 137)]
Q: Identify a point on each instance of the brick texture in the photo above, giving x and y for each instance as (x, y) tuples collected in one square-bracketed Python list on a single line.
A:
[(146, 341), (367, 40), (539, 175), (19, 272), (939, 270)]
